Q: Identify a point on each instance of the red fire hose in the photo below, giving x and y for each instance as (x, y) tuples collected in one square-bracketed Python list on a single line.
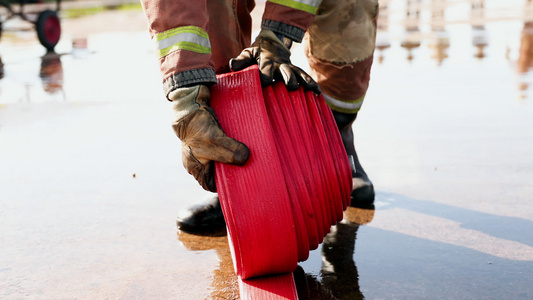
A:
[(295, 185)]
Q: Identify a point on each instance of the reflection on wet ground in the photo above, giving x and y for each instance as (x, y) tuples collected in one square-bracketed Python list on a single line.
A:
[(51, 73), (338, 273), (445, 134), (1, 69), (224, 284), (525, 56), (339, 278)]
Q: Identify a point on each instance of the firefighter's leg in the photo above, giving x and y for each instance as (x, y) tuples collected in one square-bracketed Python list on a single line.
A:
[(363, 189), (339, 46)]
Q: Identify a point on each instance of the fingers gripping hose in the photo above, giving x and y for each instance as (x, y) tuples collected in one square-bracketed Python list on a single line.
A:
[(297, 180)]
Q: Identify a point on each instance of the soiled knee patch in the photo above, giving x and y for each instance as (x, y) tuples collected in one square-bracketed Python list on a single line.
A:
[(344, 31)]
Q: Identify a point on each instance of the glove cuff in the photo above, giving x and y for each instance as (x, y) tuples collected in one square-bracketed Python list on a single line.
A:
[(188, 78), (294, 33), (187, 100), (266, 34)]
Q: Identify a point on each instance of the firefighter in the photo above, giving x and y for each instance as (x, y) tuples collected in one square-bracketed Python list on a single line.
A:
[(196, 40)]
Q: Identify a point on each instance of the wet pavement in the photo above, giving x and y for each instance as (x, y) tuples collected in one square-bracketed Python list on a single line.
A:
[(91, 179)]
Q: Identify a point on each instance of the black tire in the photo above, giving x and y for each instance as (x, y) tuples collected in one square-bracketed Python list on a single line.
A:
[(48, 29)]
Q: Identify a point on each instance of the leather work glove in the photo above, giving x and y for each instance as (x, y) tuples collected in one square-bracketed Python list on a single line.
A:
[(202, 139), (273, 58)]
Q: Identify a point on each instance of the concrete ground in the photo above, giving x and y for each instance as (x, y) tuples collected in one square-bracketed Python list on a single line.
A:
[(91, 178)]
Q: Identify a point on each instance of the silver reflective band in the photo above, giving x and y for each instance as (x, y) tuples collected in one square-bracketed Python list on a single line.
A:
[(313, 3), (183, 37), (353, 105)]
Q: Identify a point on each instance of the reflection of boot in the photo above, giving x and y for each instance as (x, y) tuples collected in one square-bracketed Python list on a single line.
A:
[(309, 288), (363, 189), (340, 279), (359, 216), (339, 273), (203, 219)]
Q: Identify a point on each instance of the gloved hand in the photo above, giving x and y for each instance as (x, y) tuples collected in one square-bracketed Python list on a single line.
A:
[(202, 139), (273, 58)]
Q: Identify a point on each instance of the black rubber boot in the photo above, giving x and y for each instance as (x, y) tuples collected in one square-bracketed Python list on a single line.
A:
[(363, 189), (203, 219)]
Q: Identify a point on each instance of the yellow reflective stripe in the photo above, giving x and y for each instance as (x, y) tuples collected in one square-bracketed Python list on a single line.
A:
[(189, 38), (184, 46), (310, 6)]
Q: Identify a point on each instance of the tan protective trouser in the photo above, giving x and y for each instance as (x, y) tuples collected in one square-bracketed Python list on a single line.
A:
[(339, 45)]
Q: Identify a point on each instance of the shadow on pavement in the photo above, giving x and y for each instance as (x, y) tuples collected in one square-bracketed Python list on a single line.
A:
[(508, 228)]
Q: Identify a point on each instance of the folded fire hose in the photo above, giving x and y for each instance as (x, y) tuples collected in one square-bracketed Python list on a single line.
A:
[(294, 186)]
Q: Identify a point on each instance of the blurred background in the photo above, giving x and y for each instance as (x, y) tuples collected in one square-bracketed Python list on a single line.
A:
[(411, 32)]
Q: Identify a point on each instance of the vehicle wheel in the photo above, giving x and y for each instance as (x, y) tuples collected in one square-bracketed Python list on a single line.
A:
[(48, 29)]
